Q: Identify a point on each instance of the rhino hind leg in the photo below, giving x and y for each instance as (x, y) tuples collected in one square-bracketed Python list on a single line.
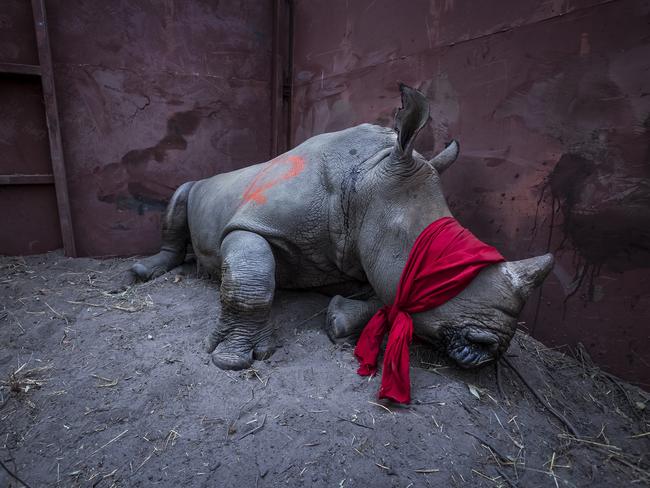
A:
[(243, 332), (175, 237), (346, 318)]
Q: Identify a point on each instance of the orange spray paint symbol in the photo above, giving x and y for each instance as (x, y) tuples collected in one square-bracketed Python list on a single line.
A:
[(255, 190)]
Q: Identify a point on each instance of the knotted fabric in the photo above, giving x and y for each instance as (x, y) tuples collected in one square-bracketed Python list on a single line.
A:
[(445, 258)]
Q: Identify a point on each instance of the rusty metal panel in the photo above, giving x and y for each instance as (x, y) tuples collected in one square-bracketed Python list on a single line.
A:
[(23, 134), (340, 36), (17, 36), (550, 103), (29, 218), (153, 94), (30, 221)]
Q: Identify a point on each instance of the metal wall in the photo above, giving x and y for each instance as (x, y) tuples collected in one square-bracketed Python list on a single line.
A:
[(550, 102), (29, 220), (151, 94)]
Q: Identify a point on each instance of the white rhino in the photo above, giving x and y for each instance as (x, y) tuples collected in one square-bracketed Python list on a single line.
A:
[(337, 214)]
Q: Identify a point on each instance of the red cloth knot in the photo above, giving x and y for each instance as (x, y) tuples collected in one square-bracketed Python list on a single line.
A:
[(444, 259)]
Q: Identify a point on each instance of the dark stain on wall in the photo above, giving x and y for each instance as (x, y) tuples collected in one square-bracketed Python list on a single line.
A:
[(605, 229), (179, 125), (131, 184)]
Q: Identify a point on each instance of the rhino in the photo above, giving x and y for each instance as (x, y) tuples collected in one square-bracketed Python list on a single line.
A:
[(337, 214)]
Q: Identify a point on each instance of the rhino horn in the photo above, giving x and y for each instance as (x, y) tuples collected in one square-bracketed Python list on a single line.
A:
[(409, 120), (528, 274), (446, 157)]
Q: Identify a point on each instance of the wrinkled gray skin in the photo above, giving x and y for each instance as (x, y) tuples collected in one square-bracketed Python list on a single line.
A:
[(343, 224)]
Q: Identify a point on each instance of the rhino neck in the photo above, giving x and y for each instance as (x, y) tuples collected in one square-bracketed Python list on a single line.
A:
[(349, 205), (384, 246), (377, 209)]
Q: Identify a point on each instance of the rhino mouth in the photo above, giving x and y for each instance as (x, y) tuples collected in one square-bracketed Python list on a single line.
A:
[(474, 348)]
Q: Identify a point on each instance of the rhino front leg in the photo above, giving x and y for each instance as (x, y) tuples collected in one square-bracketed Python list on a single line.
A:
[(346, 318), (243, 332)]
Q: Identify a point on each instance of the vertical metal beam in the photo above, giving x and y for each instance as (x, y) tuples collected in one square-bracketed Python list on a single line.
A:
[(289, 76), (281, 76), (276, 79), (53, 127)]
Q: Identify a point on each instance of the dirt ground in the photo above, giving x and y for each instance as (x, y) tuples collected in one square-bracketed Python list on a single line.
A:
[(103, 385)]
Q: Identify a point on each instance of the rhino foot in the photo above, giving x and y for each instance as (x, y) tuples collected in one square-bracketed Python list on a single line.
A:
[(338, 325), (346, 318), (238, 354), (225, 359), (264, 349), (144, 273), (157, 265)]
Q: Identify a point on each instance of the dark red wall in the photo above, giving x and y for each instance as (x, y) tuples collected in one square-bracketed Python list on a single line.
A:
[(151, 94), (550, 102)]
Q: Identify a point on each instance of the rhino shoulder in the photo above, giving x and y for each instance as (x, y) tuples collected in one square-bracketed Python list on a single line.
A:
[(372, 132), (350, 145)]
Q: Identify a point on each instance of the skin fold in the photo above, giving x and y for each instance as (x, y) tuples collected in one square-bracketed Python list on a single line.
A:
[(337, 214)]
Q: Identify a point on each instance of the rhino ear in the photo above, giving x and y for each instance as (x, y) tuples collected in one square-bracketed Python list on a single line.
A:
[(446, 157), (409, 120), (528, 274)]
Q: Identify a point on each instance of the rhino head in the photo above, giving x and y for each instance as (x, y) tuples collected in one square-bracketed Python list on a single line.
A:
[(477, 325), (400, 195)]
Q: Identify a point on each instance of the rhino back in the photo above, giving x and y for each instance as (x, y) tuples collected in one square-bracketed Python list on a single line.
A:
[(292, 201)]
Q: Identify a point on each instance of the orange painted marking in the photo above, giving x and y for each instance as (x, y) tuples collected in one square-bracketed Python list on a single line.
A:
[(255, 190)]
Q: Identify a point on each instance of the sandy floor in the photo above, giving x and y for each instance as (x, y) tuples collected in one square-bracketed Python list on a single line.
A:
[(106, 386)]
